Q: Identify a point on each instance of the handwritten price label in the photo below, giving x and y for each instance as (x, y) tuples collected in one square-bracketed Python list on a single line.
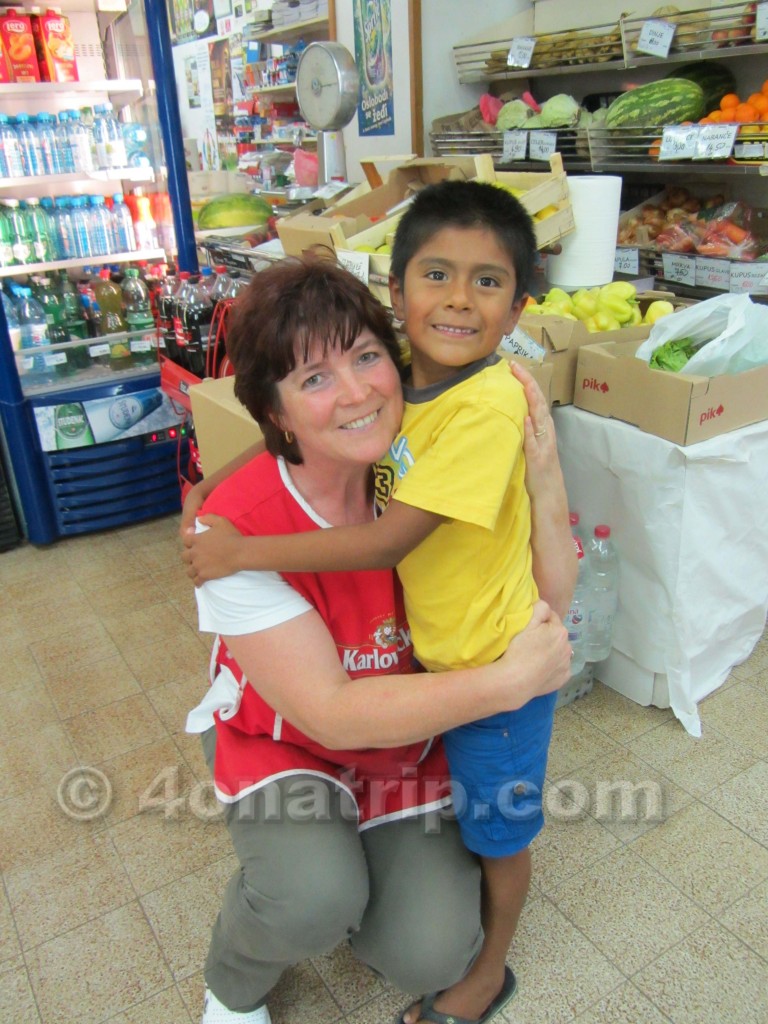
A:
[(357, 263), (715, 141), (712, 273), (102, 349), (520, 343), (761, 23), (626, 261), (656, 38), (679, 268), (521, 52), (515, 146), (542, 145), (679, 143), (751, 277)]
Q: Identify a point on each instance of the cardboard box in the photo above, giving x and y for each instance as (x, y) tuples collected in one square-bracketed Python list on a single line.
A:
[(683, 408), (541, 372), (55, 47), (223, 427), (19, 46)]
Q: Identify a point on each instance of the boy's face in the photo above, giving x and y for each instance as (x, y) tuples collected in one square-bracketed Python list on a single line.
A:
[(457, 301)]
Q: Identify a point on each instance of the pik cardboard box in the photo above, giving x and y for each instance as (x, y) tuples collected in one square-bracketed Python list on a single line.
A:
[(683, 408), (223, 426), (541, 372), (54, 46), (19, 46)]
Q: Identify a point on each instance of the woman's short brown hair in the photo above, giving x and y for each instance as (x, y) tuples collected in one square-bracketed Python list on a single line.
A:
[(285, 309)]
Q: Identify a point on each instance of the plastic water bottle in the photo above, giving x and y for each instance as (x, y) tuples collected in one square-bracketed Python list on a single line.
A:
[(7, 259), (34, 335), (81, 227), (46, 135), (100, 232), (577, 618), (138, 316), (110, 145), (63, 144), (12, 319), (123, 235), (29, 145), (11, 163), (38, 231), (62, 226), (21, 243), (80, 142), (603, 563), (74, 318)]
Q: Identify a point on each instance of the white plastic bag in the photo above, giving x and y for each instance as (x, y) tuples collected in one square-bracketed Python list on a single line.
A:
[(730, 333)]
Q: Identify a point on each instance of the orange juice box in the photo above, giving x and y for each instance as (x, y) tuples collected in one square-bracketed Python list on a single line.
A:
[(5, 75), (19, 46), (55, 46)]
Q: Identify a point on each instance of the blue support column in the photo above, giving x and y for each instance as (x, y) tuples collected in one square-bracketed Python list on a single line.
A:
[(161, 52)]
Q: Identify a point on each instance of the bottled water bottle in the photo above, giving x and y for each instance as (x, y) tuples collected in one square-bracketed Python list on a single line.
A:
[(7, 259), (578, 611), (21, 243), (603, 563), (11, 164), (54, 246), (34, 335), (138, 317), (110, 145), (12, 319), (63, 230), (81, 227), (46, 135), (63, 144), (38, 231), (122, 225), (80, 143), (29, 144), (100, 227)]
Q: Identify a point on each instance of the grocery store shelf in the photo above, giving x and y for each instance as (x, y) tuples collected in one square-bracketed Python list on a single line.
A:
[(289, 87), (117, 175), (94, 261), (290, 31), (119, 91)]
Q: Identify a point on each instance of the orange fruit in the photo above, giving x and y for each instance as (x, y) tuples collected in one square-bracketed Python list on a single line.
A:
[(759, 102), (731, 100), (744, 113)]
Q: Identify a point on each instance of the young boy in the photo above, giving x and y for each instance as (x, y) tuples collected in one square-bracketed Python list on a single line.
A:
[(457, 525)]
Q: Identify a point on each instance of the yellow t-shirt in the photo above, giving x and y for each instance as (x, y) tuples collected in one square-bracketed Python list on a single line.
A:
[(469, 586)]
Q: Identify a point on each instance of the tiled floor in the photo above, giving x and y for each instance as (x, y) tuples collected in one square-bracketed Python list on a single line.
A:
[(642, 918)]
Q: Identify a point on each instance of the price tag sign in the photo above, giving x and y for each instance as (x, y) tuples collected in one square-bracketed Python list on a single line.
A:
[(102, 349), (679, 143), (626, 261), (520, 343), (679, 268), (521, 51), (515, 146), (656, 37), (357, 263), (715, 141), (749, 277), (761, 23), (143, 344), (711, 273), (55, 358), (542, 145)]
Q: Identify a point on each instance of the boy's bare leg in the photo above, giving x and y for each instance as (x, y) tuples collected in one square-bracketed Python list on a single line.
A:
[(505, 886)]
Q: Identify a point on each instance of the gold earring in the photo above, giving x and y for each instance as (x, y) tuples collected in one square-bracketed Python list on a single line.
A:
[(289, 438)]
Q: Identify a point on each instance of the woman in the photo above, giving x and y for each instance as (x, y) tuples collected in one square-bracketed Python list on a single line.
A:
[(326, 762)]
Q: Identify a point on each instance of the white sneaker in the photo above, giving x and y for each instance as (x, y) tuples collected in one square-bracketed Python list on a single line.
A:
[(215, 1012)]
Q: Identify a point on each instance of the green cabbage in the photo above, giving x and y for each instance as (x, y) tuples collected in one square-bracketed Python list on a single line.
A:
[(514, 114), (560, 111)]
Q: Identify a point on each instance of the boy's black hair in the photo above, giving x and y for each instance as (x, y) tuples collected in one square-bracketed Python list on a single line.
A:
[(467, 204)]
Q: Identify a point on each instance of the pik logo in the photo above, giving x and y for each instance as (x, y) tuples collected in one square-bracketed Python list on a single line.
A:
[(593, 384), (711, 414)]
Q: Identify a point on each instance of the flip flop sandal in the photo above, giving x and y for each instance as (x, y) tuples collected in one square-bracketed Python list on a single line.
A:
[(433, 1016)]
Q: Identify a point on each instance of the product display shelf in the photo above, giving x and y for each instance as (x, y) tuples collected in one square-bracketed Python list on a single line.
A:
[(700, 34), (132, 174), (119, 92), (629, 149), (572, 145), (294, 31), (19, 269)]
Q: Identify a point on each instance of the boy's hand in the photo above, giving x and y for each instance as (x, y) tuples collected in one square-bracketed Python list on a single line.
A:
[(540, 443), (214, 552), (193, 502)]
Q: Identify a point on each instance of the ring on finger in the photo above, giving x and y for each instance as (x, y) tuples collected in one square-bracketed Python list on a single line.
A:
[(540, 433)]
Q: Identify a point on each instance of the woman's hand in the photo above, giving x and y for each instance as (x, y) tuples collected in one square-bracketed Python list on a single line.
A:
[(540, 443), (214, 552), (538, 659)]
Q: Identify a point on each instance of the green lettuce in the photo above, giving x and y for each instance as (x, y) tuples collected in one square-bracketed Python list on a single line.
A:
[(672, 355)]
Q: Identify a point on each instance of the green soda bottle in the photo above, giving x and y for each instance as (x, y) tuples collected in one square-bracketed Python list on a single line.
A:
[(56, 320), (109, 299), (71, 426)]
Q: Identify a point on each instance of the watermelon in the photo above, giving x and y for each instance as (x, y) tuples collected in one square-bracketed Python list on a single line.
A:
[(669, 101), (714, 78), (234, 210)]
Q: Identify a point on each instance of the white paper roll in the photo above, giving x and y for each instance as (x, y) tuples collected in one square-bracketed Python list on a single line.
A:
[(588, 253)]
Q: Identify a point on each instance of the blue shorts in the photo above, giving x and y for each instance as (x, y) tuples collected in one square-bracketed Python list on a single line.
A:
[(497, 776)]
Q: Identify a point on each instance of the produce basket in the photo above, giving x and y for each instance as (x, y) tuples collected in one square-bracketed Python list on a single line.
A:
[(572, 145), (704, 32)]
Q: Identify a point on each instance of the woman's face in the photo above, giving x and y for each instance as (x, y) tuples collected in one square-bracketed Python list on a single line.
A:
[(344, 407)]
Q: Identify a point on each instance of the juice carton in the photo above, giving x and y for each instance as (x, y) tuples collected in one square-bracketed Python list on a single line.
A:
[(55, 46), (19, 46), (5, 74)]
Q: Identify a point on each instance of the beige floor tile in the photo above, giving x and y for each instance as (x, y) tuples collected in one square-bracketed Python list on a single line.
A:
[(28, 759), (73, 612), (106, 732), (157, 850), (710, 976), (192, 990), (625, 1005), (66, 889), (182, 914), (173, 702), (141, 592), (17, 1005), (748, 919), (142, 626), (19, 666), (627, 910), (559, 971), (33, 825), (31, 591), (300, 996), (743, 800), (192, 751), (387, 1007), (156, 556), (159, 663), (91, 686), (624, 794), (165, 1008), (617, 715), (697, 868), (757, 663), (99, 969), (113, 571), (22, 705), (186, 606), (567, 844), (146, 776), (697, 765), (575, 741), (175, 583), (350, 981), (740, 713), (29, 562), (80, 646), (10, 945)]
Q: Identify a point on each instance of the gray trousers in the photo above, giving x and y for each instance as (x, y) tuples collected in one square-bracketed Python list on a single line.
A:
[(406, 897)]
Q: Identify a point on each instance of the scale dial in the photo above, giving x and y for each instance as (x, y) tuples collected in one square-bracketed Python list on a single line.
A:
[(327, 86)]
